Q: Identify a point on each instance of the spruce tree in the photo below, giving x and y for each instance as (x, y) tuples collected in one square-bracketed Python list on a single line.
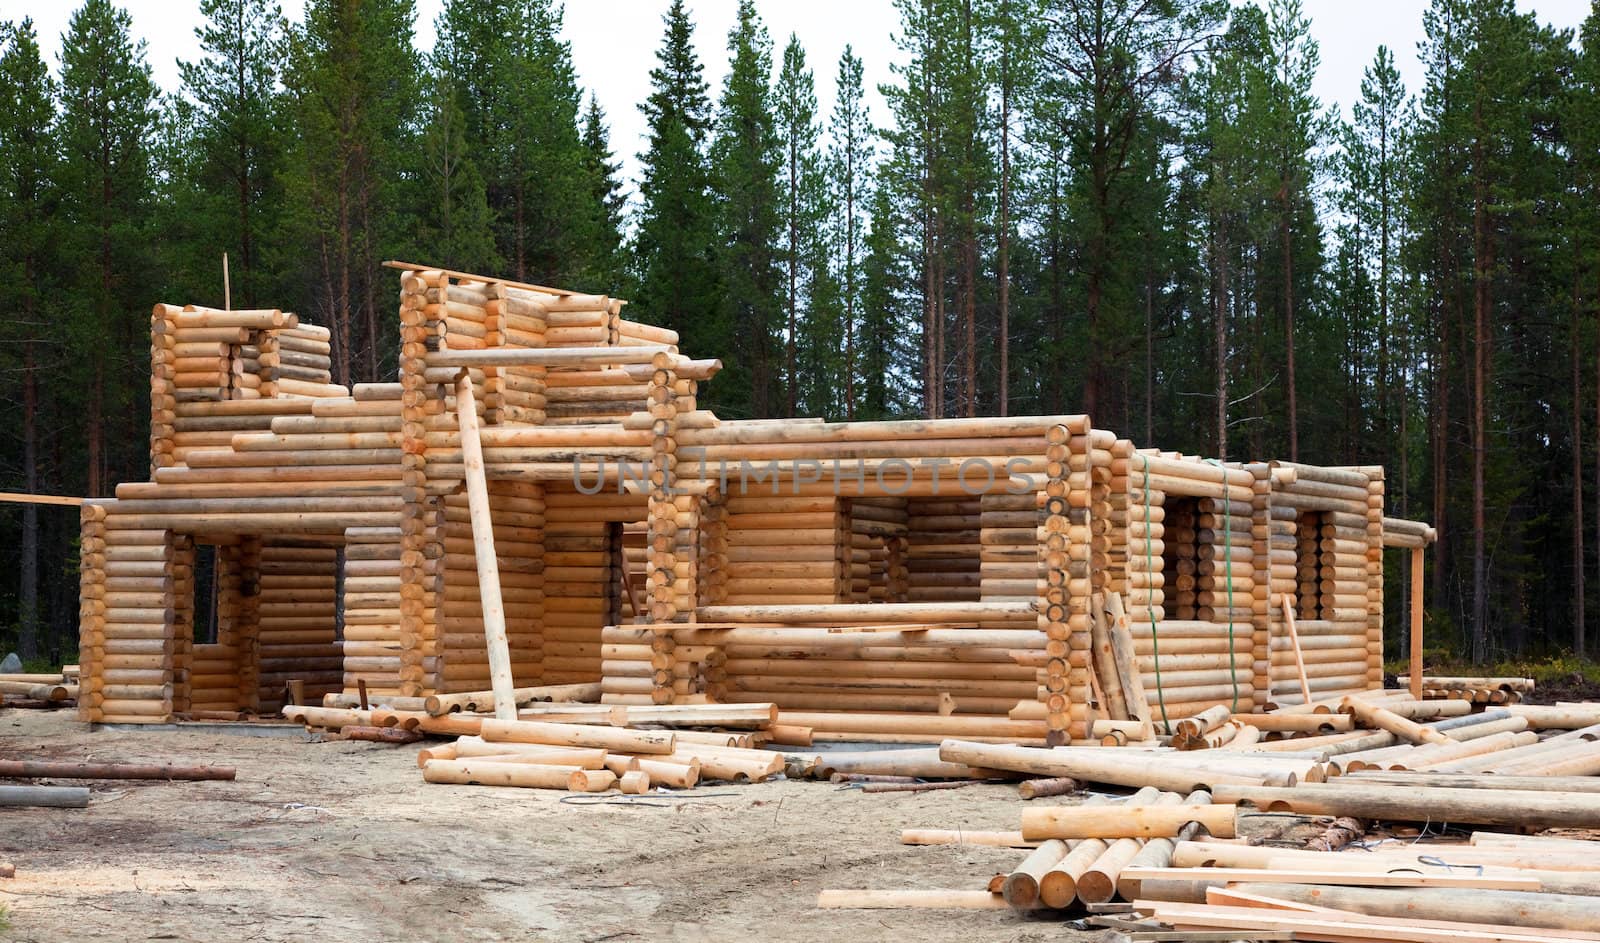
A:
[(455, 227), (744, 172), (607, 265), (676, 257)]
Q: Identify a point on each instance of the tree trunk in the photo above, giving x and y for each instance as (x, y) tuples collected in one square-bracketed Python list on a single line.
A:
[(1577, 478), (1288, 326), (1219, 304), (1003, 260), (794, 274), (28, 575), (1482, 265), (1149, 358)]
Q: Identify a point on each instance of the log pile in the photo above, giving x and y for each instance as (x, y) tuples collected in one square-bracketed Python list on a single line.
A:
[(46, 690), (578, 747), (1185, 852)]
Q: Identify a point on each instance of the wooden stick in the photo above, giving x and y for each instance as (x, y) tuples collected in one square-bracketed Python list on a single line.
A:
[(1287, 602), (494, 614), (1371, 715), (42, 769)]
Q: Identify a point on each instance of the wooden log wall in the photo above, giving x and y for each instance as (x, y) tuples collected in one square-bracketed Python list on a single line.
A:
[(582, 572), (1201, 628), (1008, 557), (519, 532), (785, 550), (880, 526), (376, 649), (1335, 517), (126, 639), (297, 617), (97, 576), (943, 542)]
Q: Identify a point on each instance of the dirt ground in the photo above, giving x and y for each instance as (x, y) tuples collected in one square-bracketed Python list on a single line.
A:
[(343, 841)]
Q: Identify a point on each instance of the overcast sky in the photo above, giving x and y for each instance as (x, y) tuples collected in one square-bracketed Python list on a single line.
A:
[(614, 43)]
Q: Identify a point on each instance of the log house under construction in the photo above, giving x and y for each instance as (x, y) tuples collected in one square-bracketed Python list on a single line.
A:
[(541, 473)]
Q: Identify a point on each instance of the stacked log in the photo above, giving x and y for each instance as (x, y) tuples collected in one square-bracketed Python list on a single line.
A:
[(131, 662), (99, 572), (944, 548), (1339, 533), (782, 550), (1008, 552), (298, 636), (585, 551), (518, 513), (377, 652)]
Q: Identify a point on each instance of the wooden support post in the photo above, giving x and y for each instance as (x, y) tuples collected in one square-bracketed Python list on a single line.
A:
[(1299, 656), (494, 612), (1416, 623)]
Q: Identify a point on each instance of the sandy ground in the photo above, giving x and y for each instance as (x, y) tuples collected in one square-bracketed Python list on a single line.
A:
[(343, 841)]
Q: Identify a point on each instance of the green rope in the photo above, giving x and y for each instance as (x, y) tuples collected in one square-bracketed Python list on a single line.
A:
[(1149, 567), (1227, 543)]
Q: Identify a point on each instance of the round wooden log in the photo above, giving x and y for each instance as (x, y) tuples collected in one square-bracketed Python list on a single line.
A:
[(591, 780), (476, 773), (41, 769), (1040, 788), (54, 797), (1116, 767), (1588, 784), (1498, 908), (634, 782), (962, 836), (666, 773), (1021, 887), (1477, 806), (622, 741), (1371, 715), (1140, 821)]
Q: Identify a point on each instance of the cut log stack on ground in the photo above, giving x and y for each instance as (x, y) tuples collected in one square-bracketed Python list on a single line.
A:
[(1199, 844), (574, 746), (40, 690)]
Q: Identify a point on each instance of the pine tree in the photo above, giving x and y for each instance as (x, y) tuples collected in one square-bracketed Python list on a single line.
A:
[(1110, 67), (1293, 132), (27, 197), (108, 111), (677, 262), (353, 84), (1585, 137), (238, 137), (849, 170), (889, 316), (744, 172), (607, 265), (804, 256)]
